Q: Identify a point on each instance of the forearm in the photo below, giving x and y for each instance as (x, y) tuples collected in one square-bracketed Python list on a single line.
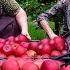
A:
[(21, 18), (47, 28)]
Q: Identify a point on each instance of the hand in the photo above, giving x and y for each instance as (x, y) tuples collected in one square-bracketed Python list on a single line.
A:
[(53, 36), (26, 34)]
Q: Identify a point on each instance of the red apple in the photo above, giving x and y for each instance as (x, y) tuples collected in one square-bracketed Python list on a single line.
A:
[(33, 45), (59, 43), (7, 49), (52, 43), (50, 65), (30, 66), (14, 46), (10, 65), (38, 62), (1, 46), (21, 38), (11, 38), (20, 61), (45, 41), (55, 53), (44, 49), (45, 56), (19, 51), (25, 44), (31, 53), (2, 40)]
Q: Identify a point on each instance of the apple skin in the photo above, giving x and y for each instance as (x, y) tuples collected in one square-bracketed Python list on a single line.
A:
[(59, 43), (50, 65)]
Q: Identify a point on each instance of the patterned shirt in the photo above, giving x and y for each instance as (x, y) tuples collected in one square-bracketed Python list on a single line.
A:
[(61, 5), (8, 7)]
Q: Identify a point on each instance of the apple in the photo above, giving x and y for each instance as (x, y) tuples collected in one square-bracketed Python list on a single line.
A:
[(10, 65), (2, 40), (1, 46), (45, 41), (7, 49), (11, 38), (59, 43), (30, 66), (25, 44), (50, 65), (19, 51), (44, 49), (31, 53), (21, 38), (55, 53), (52, 44), (38, 62), (33, 45)]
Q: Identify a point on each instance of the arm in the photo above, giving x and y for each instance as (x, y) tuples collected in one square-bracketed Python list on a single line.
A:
[(44, 17), (21, 18)]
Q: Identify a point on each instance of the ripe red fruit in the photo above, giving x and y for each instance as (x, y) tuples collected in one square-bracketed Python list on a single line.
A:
[(30, 66), (59, 43), (44, 49), (38, 62), (45, 41), (1, 46), (7, 49), (7, 42), (44, 56), (19, 51), (52, 43), (14, 46), (20, 61), (25, 44), (10, 65), (33, 45), (12, 57), (55, 53), (31, 53), (21, 38), (2, 40), (50, 65), (11, 38)]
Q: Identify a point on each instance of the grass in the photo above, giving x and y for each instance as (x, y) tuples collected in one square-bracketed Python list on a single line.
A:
[(37, 33)]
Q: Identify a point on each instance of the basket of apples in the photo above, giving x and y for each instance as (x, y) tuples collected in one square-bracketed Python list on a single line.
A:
[(19, 53)]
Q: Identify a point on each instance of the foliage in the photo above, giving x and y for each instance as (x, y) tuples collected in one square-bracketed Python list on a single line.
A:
[(34, 7)]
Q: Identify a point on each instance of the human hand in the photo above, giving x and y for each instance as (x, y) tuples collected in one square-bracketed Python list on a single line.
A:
[(26, 34), (52, 36)]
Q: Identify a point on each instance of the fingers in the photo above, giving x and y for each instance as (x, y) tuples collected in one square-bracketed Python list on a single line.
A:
[(26, 34)]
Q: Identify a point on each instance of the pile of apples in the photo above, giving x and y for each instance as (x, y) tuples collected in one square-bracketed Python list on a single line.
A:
[(19, 53)]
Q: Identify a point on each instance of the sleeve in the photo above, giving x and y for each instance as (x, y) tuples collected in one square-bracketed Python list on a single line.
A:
[(51, 12), (10, 7)]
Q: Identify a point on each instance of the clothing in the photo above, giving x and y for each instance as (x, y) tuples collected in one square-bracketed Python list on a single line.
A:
[(9, 7), (61, 5), (9, 27), (8, 24)]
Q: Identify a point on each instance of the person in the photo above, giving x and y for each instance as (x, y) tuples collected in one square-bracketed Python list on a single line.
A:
[(13, 19), (43, 18)]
